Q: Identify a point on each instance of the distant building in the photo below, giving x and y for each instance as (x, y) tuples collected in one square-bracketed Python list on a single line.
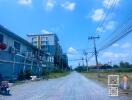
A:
[(65, 62), (17, 54), (49, 43)]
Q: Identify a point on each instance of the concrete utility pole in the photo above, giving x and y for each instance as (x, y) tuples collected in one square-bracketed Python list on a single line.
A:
[(85, 54), (95, 52), (79, 64), (82, 61)]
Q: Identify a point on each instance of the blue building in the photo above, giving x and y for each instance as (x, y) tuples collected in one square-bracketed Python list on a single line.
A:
[(17, 54), (49, 44)]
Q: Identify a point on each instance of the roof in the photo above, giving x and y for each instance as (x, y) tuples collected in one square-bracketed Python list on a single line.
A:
[(45, 35), (15, 36)]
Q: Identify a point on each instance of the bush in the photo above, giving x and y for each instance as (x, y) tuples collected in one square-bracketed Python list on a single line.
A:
[(124, 70), (43, 72), (21, 76), (28, 74)]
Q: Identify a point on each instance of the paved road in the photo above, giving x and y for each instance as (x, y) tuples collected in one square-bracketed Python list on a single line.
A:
[(72, 87)]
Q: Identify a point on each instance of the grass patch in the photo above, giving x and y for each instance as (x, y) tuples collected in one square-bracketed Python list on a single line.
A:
[(93, 76), (103, 80), (57, 74), (52, 75)]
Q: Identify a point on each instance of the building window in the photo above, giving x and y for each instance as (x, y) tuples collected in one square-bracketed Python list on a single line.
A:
[(44, 48), (34, 38), (34, 42), (1, 38), (46, 38), (44, 42), (17, 46)]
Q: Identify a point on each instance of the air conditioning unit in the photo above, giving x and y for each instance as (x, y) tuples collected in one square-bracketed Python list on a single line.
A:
[(12, 50)]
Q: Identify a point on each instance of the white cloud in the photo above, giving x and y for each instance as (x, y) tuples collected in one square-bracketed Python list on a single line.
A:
[(112, 55), (108, 54), (98, 15), (100, 29), (109, 3), (116, 57), (115, 45), (44, 31), (72, 51), (49, 4), (69, 5), (126, 45), (123, 46), (25, 2), (110, 25)]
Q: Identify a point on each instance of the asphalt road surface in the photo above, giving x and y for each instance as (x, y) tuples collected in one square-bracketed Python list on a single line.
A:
[(72, 87)]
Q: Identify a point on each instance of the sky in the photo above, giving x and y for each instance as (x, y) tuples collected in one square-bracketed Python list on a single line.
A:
[(73, 21)]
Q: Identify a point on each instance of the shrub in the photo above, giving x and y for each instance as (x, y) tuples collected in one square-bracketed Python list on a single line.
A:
[(28, 73), (21, 76)]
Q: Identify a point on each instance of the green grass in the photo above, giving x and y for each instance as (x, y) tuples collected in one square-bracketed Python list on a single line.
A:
[(93, 76), (104, 76), (57, 74), (52, 75)]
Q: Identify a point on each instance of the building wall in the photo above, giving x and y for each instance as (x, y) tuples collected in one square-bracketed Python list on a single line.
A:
[(11, 64), (9, 41)]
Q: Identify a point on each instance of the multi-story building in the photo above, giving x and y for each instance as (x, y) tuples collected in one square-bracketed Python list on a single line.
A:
[(17, 54), (65, 62), (49, 43)]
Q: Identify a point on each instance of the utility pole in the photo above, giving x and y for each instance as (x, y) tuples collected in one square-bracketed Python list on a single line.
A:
[(85, 54), (79, 64), (95, 52), (82, 61)]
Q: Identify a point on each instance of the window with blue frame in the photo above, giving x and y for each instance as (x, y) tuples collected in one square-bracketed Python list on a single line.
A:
[(17, 46)]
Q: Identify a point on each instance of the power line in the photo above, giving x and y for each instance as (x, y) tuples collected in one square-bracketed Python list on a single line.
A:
[(121, 33), (111, 9), (109, 12)]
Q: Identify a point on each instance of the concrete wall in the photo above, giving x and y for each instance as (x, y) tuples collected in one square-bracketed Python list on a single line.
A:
[(9, 69)]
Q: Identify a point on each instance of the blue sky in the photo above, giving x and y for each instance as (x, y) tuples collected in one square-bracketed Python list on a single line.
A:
[(73, 21)]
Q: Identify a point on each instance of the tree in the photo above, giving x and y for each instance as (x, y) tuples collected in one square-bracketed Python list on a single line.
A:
[(115, 66), (79, 69), (28, 74), (124, 64)]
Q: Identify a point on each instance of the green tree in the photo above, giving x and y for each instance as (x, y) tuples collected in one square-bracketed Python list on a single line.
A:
[(115, 66), (28, 74), (124, 64)]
